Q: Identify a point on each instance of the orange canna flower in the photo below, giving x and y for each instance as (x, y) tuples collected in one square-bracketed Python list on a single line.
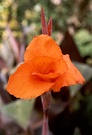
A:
[(45, 68)]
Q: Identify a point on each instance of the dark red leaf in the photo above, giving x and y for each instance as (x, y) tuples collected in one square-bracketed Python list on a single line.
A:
[(49, 27), (22, 49), (13, 43), (2, 64), (68, 46), (43, 21), (4, 95)]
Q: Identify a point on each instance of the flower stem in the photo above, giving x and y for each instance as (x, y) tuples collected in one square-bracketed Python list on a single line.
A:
[(45, 128), (46, 102)]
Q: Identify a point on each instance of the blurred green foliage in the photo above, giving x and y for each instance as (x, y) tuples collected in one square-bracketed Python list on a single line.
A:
[(84, 42), (23, 17), (20, 111)]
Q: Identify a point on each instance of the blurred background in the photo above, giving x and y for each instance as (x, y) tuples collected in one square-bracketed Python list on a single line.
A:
[(71, 109)]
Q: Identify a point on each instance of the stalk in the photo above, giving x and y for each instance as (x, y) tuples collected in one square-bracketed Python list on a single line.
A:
[(46, 103)]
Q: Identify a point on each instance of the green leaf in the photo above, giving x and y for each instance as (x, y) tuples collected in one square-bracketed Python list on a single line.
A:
[(83, 40), (20, 111)]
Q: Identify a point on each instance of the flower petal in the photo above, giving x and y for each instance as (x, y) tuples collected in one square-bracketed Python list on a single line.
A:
[(23, 84), (71, 77), (51, 77), (46, 65), (42, 45)]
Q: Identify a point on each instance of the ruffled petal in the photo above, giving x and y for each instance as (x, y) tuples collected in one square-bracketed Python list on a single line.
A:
[(46, 65), (51, 77), (42, 45), (23, 84), (71, 77)]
